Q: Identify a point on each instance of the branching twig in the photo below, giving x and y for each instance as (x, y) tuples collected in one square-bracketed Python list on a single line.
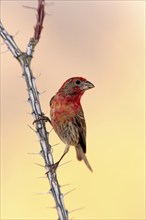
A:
[(24, 59)]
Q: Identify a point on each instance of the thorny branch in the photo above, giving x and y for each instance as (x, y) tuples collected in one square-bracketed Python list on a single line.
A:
[(24, 59)]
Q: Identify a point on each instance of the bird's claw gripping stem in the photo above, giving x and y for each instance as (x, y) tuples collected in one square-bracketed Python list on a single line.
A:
[(42, 118), (55, 165), (52, 167)]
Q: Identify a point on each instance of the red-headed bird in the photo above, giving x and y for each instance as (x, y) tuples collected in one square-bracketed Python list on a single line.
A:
[(67, 117)]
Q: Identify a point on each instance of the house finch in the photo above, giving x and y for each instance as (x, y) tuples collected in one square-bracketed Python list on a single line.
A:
[(67, 117)]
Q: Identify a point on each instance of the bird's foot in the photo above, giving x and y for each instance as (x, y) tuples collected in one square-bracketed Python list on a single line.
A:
[(52, 167), (42, 118)]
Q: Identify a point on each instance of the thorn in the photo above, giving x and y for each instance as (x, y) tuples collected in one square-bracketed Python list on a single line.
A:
[(28, 100), (65, 185), (41, 93), (40, 165), (17, 32), (65, 163), (43, 193), (75, 210), (34, 153), (69, 191), (32, 128), (38, 76), (28, 7), (19, 76), (29, 89), (42, 177), (50, 191), (51, 207), (29, 113), (55, 144), (51, 149)]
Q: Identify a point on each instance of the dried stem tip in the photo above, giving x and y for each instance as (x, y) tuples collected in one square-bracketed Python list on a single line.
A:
[(40, 18)]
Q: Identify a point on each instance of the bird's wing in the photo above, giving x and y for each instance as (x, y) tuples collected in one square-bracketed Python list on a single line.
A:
[(81, 124)]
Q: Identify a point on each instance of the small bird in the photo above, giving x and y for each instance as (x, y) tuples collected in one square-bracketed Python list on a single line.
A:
[(67, 117)]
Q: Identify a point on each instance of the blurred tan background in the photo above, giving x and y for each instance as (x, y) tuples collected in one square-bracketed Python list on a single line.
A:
[(103, 41)]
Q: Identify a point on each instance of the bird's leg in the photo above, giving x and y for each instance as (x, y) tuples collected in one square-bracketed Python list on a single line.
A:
[(42, 117), (55, 165), (65, 152)]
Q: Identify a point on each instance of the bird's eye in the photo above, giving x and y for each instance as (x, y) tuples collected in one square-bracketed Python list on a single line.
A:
[(78, 82)]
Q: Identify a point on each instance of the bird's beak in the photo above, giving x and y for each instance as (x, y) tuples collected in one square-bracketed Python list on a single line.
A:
[(87, 85)]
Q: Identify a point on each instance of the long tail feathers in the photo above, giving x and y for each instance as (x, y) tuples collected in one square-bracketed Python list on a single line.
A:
[(81, 156)]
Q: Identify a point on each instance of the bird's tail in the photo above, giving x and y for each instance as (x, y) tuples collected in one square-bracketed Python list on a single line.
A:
[(81, 156)]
